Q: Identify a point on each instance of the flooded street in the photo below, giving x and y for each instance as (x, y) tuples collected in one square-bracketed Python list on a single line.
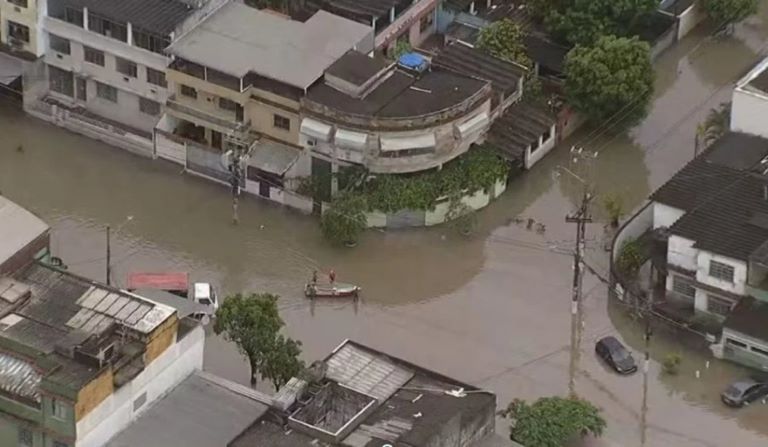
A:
[(492, 310)]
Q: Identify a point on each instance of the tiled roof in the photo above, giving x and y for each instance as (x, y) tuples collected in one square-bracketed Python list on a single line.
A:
[(504, 76), (749, 318), (520, 126), (726, 224), (712, 171), (157, 16), (366, 372)]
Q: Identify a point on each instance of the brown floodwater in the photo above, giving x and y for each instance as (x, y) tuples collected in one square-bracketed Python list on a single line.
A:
[(492, 309)]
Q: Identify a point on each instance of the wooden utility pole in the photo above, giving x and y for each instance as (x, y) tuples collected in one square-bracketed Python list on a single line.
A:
[(580, 218), (109, 260), (239, 148)]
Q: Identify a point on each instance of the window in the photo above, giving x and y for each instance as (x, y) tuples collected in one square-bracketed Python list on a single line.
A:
[(125, 67), (149, 41), (759, 351), (94, 56), (106, 92), (738, 344), (228, 104), (156, 77), (59, 44), (18, 32), (281, 122), (74, 16), (188, 91), (25, 438), (58, 409), (721, 271), (61, 81), (717, 305), (22, 3), (149, 107), (683, 286), (106, 27)]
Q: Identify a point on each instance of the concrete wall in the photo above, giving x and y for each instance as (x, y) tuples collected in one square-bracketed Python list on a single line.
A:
[(638, 224), (94, 393), (690, 18), (29, 17), (746, 356), (545, 146), (158, 378), (680, 252), (739, 276), (168, 146), (749, 112), (27, 254), (407, 24), (665, 215)]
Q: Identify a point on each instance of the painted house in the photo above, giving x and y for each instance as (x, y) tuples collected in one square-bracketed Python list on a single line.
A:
[(106, 57), (250, 93), (21, 31)]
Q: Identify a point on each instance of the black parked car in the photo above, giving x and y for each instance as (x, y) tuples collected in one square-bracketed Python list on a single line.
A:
[(744, 391), (615, 355)]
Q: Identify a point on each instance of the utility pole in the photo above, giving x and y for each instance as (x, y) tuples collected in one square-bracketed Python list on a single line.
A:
[(109, 255), (580, 218), (646, 361), (238, 147)]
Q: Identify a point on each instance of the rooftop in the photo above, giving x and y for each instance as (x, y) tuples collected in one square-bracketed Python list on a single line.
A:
[(504, 76), (202, 411), (157, 16), (272, 46), (66, 320), (356, 67), (401, 94), (518, 128), (749, 317), (712, 171), (412, 404), (364, 8), (18, 228)]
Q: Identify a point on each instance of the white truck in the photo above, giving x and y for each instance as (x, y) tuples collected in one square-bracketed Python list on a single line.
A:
[(173, 289)]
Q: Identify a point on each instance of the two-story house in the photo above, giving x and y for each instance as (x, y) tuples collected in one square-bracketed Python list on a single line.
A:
[(106, 57), (251, 91), (21, 32)]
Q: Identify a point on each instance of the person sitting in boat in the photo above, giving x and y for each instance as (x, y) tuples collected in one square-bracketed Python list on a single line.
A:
[(314, 277), (332, 276)]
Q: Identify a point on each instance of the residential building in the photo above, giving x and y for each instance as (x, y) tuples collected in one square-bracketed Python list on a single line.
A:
[(363, 397), (406, 21), (251, 92), (105, 59), (202, 411), (25, 238), (357, 396), (749, 110), (21, 31)]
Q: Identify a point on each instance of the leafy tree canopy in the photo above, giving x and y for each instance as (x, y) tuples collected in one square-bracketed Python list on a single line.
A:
[(729, 12), (614, 78), (553, 421), (584, 21), (504, 39), (253, 323), (344, 221)]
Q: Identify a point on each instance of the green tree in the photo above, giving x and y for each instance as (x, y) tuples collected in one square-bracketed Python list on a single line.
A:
[(726, 13), (582, 22), (717, 123), (504, 39), (614, 78), (553, 421), (401, 47), (253, 323), (345, 220)]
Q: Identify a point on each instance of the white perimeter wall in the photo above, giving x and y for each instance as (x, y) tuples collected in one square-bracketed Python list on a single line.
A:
[(665, 215)]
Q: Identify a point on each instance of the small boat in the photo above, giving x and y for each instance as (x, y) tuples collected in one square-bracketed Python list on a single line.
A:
[(337, 290)]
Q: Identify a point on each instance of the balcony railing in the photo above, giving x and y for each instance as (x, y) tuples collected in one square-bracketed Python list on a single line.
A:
[(230, 123)]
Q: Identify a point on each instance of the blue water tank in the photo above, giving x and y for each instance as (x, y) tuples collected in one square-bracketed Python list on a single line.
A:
[(413, 61)]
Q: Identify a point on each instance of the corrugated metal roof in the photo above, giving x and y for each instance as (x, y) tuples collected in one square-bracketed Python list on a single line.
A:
[(19, 228), (19, 377), (157, 16), (366, 372)]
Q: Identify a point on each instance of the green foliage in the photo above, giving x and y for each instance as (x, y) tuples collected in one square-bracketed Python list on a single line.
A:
[(462, 217), (553, 421), (504, 39), (630, 258), (533, 91), (253, 323), (402, 46), (615, 77), (717, 123), (671, 363), (614, 206), (583, 22), (730, 12), (477, 169), (344, 221)]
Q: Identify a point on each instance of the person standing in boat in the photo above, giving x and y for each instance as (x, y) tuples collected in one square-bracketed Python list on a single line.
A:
[(332, 276), (314, 277)]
